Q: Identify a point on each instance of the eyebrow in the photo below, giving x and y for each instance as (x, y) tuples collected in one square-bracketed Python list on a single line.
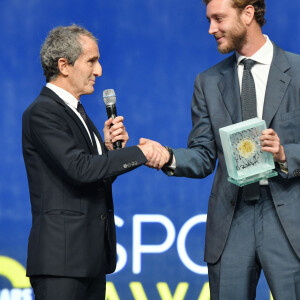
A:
[(95, 57), (216, 15)]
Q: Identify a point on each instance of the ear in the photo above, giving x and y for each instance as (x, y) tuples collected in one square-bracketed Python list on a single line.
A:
[(63, 66), (248, 14)]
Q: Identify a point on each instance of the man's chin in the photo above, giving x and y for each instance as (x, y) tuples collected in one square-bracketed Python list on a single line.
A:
[(90, 91), (224, 49)]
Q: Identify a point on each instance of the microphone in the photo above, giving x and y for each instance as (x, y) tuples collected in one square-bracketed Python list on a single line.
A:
[(109, 98)]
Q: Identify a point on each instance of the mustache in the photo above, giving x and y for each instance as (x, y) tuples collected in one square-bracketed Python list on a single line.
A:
[(218, 36)]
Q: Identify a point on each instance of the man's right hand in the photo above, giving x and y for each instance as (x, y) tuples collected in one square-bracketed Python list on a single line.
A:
[(156, 154)]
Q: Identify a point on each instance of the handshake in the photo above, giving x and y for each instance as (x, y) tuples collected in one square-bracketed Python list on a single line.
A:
[(156, 154)]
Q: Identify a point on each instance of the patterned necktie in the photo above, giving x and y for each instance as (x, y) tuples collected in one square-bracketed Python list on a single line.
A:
[(248, 94), (249, 111), (82, 112)]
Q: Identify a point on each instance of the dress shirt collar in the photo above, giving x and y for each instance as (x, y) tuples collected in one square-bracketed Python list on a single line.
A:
[(263, 56), (68, 98)]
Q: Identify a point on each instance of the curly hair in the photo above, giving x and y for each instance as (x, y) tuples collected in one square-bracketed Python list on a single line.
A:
[(259, 7), (62, 42)]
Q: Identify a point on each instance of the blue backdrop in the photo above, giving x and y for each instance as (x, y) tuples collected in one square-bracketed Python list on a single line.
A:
[(151, 52)]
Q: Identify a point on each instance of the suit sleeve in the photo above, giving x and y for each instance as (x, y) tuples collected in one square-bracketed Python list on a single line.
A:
[(52, 138), (288, 119), (292, 153), (199, 159)]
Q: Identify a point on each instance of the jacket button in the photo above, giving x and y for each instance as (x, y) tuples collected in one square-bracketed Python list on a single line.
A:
[(103, 217), (232, 202)]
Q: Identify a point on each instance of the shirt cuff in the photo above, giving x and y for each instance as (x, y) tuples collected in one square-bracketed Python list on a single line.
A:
[(171, 168)]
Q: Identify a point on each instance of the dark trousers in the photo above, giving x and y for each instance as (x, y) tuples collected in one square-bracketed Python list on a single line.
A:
[(68, 288), (256, 242)]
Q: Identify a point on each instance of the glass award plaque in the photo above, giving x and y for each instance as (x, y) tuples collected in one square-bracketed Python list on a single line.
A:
[(245, 161)]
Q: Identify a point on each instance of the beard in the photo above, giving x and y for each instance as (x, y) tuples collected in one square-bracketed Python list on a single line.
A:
[(236, 38)]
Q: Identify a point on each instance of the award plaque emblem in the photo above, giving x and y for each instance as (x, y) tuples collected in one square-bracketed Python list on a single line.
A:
[(245, 161)]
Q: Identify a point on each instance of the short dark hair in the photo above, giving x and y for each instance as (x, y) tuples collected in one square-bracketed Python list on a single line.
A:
[(259, 7), (62, 42)]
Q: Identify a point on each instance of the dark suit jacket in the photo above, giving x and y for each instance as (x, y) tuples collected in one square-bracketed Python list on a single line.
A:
[(215, 104), (73, 230)]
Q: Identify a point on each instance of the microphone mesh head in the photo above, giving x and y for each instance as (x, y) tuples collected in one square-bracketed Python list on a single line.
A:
[(109, 97)]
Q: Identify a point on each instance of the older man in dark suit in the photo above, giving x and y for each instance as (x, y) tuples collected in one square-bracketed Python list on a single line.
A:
[(256, 227), (72, 243)]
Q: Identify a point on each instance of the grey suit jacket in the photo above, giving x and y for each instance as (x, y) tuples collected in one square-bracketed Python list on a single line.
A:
[(215, 104)]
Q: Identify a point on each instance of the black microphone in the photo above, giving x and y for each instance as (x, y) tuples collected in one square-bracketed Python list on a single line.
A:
[(109, 98)]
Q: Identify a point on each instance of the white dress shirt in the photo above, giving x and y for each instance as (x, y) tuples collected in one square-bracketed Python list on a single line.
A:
[(72, 102), (260, 72)]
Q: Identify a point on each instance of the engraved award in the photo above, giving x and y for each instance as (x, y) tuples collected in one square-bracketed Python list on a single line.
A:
[(245, 161)]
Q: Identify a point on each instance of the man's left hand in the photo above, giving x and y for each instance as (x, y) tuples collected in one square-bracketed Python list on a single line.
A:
[(270, 142), (114, 130)]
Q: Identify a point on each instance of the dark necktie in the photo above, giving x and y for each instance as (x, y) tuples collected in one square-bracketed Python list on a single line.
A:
[(82, 112), (249, 111), (248, 94)]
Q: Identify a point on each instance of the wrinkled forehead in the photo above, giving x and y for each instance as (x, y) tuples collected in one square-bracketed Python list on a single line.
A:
[(87, 40), (89, 45)]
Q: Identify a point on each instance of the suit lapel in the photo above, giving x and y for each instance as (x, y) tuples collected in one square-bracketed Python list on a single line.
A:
[(230, 90), (278, 83), (95, 130), (81, 127), (47, 92)]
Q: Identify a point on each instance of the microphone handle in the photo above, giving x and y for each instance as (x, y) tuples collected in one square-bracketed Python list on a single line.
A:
[(111, 111)]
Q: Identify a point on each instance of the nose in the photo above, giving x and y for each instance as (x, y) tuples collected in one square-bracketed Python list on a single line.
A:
[(212, 28), (98, 70)]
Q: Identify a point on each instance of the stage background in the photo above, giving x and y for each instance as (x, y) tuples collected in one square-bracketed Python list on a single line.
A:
[(151, 52)]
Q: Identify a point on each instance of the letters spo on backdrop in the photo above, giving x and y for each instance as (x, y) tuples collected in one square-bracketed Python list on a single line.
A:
[(139, 249)]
